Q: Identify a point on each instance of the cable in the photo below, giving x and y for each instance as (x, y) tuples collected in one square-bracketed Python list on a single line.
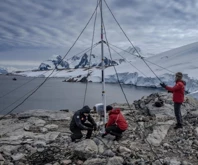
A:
[(132, 43), (127, 99), (90, 56), (53, 69), (143, 57), (87, 49), (147, 61), (128, 61), (17, 100), (19, 86)]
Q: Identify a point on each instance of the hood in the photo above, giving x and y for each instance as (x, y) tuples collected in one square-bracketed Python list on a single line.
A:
[(182, 81), (85, 109), (115, 111)]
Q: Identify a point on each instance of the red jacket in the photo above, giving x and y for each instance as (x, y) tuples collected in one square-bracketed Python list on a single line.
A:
[(116, 117), (178, 91)]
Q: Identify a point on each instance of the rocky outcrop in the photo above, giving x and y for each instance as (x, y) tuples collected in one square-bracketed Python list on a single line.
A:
[(42, 137)]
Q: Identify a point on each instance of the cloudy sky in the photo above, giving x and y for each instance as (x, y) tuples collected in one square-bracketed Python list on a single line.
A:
[(32, 31)]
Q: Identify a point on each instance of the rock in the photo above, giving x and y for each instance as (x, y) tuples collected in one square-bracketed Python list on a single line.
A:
[(43, 129), (196, 131), (8, 149), (85, 149), (56, 163), (174, 162), (1, 158), (39, 144), (34, 121), (109, 153), (95, 161), (46, 114), (51, 136), (116, 160), (51, 127), (18, 156), (168, 161), (166, 110), (166, 145), (124, 150), (31, 149), (100, 144), (159, 133), (9, 125), (185, 163), (66, 162), (79, 162)]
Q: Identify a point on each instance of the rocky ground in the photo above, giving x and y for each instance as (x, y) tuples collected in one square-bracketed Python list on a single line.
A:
[(42, 137)]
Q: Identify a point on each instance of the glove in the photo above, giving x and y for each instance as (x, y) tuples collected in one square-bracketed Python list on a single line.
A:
[(103, 135), (163, 85)]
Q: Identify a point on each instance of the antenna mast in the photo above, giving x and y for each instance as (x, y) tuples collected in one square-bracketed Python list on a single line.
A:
[(103, 68)]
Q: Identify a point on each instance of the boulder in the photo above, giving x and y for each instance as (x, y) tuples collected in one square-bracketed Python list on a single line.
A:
[(51, 127), (96, 161), (116, 160), (159, 132), (85, 149)]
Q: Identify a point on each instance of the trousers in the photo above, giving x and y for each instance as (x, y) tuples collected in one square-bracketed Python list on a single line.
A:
[(114, 130), (177, 109), (77, 134)]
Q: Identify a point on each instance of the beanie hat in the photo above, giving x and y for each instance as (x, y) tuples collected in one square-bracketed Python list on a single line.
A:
[(179, 75), (109, 108)]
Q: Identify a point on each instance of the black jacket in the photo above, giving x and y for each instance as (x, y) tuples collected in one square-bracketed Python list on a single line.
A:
[(79, 119)]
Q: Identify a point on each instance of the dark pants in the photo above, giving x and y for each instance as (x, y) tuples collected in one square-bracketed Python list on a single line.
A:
[(177, 109), (114, 130), (77, 134)]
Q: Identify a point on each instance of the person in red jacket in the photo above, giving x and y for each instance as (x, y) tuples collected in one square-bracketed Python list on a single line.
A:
[(116, 123), (178, 96)]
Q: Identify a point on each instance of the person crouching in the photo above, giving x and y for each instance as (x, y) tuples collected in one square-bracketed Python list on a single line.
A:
[(116, 123), (78, 123)]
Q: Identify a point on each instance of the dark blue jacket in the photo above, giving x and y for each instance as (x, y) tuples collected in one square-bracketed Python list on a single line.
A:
[(79, 119)]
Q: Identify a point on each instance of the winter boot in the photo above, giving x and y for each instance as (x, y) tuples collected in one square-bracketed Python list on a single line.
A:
[(178, 125), (117, 138)]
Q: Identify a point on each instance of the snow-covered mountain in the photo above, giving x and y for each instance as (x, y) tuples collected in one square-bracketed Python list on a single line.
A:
[(94, 61), (84, 60), (137, 72), (56, 62), (75, 62), (5, 70)]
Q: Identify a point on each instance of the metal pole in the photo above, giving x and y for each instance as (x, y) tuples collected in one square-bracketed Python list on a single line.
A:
[(103, 67)]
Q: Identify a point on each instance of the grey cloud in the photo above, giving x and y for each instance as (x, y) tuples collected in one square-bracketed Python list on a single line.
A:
[(155, 26)]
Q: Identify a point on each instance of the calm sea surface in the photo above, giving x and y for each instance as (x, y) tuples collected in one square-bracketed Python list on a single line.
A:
[(56, 95)]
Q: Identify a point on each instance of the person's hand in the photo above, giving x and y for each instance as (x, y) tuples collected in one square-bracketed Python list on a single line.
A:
[(95, 128), (88, 128), (163, 85)]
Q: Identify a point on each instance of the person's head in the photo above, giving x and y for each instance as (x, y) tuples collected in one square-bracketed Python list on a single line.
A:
[(85, 110), (178, 76), (109, 108)]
